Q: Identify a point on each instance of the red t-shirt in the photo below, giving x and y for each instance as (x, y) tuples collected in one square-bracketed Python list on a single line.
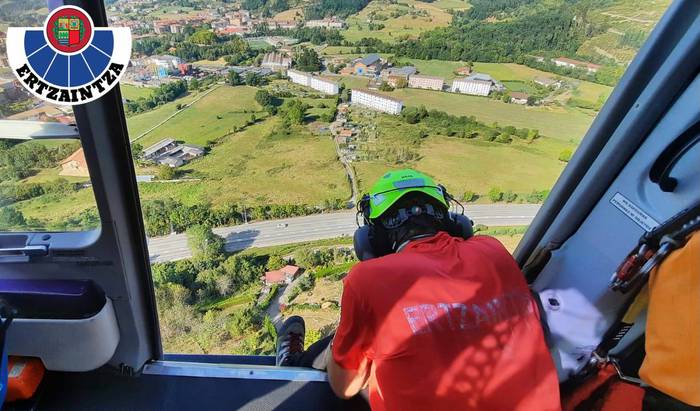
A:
[(447, 324)]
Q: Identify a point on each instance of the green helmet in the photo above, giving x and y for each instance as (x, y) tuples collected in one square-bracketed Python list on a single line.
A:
[(395, 184)]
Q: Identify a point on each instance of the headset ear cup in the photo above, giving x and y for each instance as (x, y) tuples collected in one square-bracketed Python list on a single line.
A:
[(461, 226), (362, 244)]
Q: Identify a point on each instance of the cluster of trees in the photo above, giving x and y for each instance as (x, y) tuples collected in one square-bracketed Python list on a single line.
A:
[(18, 160), (9, 109), (328, 8), (13, 193), (307, 60), (199, 45), (268, 101), (482, 9), (266, 8), (11, 218), (165, 216), (559, 29), (161, 95), (314, 35), (249, 79), (608, 75), (442, 123), (183, 288), (294, 111), (496, 195)]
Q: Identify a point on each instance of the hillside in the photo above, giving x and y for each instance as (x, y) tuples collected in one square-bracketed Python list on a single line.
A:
[(628, 23), (601, 31)]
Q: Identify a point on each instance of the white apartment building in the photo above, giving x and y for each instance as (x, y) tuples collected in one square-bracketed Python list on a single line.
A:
[(426, 82), (324, 86), (316, 83), (376, 101), (473, 87), (330, 23)]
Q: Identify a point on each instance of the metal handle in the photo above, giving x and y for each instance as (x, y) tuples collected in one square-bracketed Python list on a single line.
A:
[(660, 172), (29, 250)]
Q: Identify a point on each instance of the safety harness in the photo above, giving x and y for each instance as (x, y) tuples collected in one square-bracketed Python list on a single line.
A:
[(653, 247), (631, 277)]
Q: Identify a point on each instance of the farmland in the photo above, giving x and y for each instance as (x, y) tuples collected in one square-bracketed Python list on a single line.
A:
[(556, 122), (130, 92), (406, 18), (470, 165)]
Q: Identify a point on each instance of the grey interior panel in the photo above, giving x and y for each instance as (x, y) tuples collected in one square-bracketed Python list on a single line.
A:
[(67, 345), (574, 284)]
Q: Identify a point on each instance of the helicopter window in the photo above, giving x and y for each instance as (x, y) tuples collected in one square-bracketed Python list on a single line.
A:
[(254, 133)]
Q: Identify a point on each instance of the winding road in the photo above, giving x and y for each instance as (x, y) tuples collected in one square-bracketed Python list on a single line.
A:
[(317, 227)]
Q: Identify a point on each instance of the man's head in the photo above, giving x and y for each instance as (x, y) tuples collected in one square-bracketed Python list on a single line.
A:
[(403, 205)]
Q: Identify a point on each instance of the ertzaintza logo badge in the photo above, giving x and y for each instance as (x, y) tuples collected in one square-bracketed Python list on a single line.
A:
[(69, 61)]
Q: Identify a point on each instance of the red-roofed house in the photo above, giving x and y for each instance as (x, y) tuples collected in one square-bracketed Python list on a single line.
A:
[(284, 275), (75, 165)]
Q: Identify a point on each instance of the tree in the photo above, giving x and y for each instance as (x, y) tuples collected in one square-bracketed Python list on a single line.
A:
[(264, 98), (495, 194), (275, 262), (469, 196), (294, 111), (401, 82), (308, 60), (234, 79), (565, 155), (385, 87), (194, 84), (9, 217), (166, 173), (203, 242), (509, 196), (136, 151), (203, 37)]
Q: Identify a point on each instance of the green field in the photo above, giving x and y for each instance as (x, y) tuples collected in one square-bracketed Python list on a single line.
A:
[(464, 165), (410, 23), (557, 122), (57, 207), (209, 118), (130, 92), (139, 123), (253, 167)]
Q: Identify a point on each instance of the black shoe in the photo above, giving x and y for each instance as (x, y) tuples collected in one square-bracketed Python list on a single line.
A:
[(290, 340)]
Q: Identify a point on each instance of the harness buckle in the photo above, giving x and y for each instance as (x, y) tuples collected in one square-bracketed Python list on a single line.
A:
[(630, 268)]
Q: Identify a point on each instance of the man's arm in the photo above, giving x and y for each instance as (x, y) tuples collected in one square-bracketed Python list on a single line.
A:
[(347, 383), (347, 363)]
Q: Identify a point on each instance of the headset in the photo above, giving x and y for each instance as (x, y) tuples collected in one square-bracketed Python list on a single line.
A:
[(371, 240)]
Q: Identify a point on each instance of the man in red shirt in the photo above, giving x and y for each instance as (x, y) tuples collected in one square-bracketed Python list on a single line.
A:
[(438, 322)]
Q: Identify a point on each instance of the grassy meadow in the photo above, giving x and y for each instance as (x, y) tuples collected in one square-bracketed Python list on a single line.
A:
[(209, 118), (130, 92), (556, 122), (405, 18)]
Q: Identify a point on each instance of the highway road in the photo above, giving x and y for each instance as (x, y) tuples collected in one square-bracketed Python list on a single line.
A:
[(320, 226)]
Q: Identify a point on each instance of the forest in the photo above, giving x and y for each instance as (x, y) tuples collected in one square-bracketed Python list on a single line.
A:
[(553, 30), (328, 8)]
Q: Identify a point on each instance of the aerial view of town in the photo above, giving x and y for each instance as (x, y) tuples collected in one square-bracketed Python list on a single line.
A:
[(256, 125)]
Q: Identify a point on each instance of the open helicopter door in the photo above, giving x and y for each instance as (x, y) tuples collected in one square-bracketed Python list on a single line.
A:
[(85, 300), (610, 194)]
